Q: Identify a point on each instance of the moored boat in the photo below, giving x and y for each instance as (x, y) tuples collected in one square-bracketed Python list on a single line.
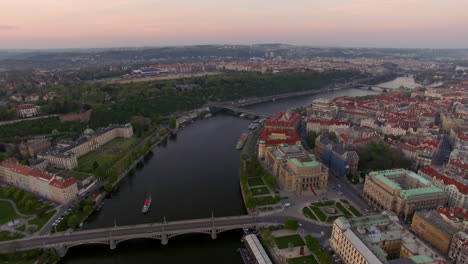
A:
[(241, 141)]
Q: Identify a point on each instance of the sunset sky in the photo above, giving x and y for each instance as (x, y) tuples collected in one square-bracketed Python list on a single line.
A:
[(345, 23)]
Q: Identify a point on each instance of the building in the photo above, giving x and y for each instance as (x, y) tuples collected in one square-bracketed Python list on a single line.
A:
[(323, 109), (33, 146), (256, 250), (378, 239), (27, 110), (458, 252), (38, 182), (276, 137), (296, 169), (402, 192), (284, 120), (341, 162), (66, 154), (325, 126), (432, 228), (457, 191)]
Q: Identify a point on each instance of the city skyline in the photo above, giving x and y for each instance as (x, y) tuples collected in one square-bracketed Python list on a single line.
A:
[(357, 23)]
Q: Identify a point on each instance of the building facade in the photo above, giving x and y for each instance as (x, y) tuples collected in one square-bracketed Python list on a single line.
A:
[(432, 228), (458, 252), (378, 239), (65, 156), (27, 110), (457, 192), (38, 182), (402, 192), (296, 169)]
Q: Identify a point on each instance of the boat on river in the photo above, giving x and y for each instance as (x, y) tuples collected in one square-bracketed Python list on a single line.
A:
[(241, 141), (146, 205)]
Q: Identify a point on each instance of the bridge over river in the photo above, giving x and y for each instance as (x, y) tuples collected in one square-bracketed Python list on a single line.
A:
[(162, 231)]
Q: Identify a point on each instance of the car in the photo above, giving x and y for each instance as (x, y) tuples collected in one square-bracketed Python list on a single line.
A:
[(339, 186), (287, 204), (299, 224)]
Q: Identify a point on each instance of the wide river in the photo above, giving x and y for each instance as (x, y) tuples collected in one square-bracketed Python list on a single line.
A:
[(194, 175)]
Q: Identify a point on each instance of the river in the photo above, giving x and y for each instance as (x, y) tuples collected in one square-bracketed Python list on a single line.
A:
[(194, 175)]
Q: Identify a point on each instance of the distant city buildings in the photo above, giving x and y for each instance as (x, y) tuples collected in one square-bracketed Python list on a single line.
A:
[(296, 169), (378, 239), (27, 110), (402, 192), (38, 182)]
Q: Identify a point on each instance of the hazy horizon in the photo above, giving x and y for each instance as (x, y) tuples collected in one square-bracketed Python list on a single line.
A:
[(84, 24)]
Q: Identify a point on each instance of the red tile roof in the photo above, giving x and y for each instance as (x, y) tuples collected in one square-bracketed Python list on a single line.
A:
[(366, 139), (446, 180), (291, 136), (454, 212), (459, 163), (282, 119), (63, 184)]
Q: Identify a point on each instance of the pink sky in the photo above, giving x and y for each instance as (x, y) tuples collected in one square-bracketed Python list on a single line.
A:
[(110, 23)]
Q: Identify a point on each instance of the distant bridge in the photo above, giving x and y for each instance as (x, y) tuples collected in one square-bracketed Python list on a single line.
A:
[(373, 87), (162, 231), (237, 110)]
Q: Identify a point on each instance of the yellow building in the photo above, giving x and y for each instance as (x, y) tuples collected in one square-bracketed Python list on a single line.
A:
[(378, 239), (431, 227), (402, 192), (296, 169)]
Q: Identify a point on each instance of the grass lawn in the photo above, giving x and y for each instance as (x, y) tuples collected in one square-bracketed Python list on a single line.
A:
[(343, 210), (21, 228), (129, 143), (330, 219), (283, 242), (321, 215), (5, 235), (327, 203), (354, 210), (303, 260), (41, 221), (259, 191), (255, 182), (87, 157), (308, 213), (7, 213), (267, 200)]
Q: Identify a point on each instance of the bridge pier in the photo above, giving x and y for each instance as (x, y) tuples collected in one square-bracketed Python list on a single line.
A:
[(112, 244), (214, 235), (61, 250), (164, 239)]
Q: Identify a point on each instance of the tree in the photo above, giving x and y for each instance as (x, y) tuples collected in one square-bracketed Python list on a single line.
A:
[(73, 221), (172, 123), (108, 187), (95, 165), (312, 243), (332, 136), (88, 209), (311, 139), (291, 224), (163, 131), (270, 180), (249, 201)]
